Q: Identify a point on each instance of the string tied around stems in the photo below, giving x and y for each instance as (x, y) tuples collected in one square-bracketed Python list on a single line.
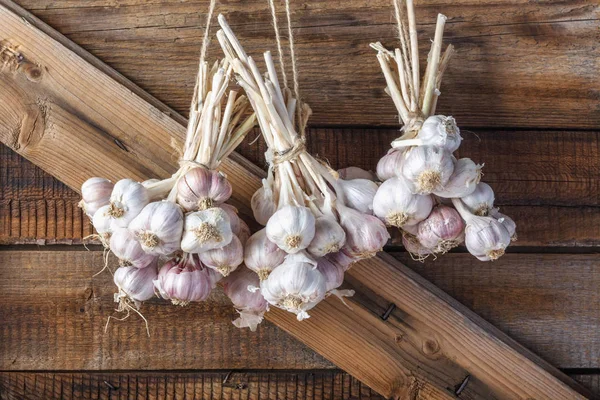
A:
[(192, 164), (277, 157)]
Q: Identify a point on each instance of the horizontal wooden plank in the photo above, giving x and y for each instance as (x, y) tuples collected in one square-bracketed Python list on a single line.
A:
[(518, 64), (356, 340), (226, 385)]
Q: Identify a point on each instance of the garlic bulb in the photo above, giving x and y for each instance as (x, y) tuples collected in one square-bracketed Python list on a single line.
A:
[(103, 224), (224, 259), (417, 251), (463, 180), (332, 272), (243, 233), (390, 165), (261, 255), (365, 234), (295, 286), (183, 280), (341, 259), (263, 204), (158, 227), (127, 200), (292, 228), (205, 230), (442, 230), (485, 237), (250, 305), (95, 193), (329, 237), (481, 201), (358, 194), (136, 283), (356, 173), (437, 130), (427, 168), (129, 251), (201, 188), (508, 223), (396, 205), (234, 219)]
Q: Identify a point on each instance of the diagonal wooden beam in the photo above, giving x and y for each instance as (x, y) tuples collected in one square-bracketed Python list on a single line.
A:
[(75, 117)]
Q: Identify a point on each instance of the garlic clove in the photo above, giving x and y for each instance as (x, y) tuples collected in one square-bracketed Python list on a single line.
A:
[(390, 165), (329, 237), (158, 227), (442, 230), (292, 228), (201, 189), (224, 259), (365, 234), (427, 168), (250, 305), (263, 204), (396, 205), (358, 194), (136, 283), (125, 246), (206, 230), (463, 180), (261, 255), (481, 200), (183, 280), (95, 193), (127, 200)]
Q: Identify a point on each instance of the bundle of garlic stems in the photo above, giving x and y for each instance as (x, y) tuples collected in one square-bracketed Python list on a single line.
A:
[(316, 223), (180, 224), (437, 201)]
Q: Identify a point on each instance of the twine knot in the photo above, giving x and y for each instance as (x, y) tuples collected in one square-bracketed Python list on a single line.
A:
[(290, 154)]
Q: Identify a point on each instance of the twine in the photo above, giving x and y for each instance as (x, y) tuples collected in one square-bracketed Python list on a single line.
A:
[(278, 39), (205, 39), (192, 164), (277, 157)]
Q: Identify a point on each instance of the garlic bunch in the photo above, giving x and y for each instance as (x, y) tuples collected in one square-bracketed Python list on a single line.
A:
[(249, 304), (420, 169)]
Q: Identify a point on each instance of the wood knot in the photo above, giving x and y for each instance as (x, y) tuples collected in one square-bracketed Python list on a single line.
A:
[(430, 347)]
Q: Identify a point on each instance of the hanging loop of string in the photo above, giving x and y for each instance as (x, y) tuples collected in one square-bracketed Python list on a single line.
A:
[(292, 53), (205, 39), (278, 39)]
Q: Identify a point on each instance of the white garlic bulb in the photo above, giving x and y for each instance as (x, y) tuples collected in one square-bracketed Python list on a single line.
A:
[(263, 204), (243, 232), (234, 219), (356, 173), (508, 223), (463, 180), (224, 259), (183, 280), (261, 255), (329, 237), (427, 168), (127, 200), (201, 188), (437, 130), (295, 286), (136, 283), (158, 227), (125, 246), (358, 194), (481, 201), (250, 305), (396, 205), (95, 193), (365, 234), (442, 230), (103, 224), (292, 228), (390, 165), (205, 230)]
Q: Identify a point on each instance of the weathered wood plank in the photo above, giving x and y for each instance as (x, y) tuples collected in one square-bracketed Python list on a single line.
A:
[(371, 350), (518, 64), (226, 385)]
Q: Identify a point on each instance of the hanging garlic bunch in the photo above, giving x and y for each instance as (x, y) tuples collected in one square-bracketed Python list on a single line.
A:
[(312, 216), (420, 169)]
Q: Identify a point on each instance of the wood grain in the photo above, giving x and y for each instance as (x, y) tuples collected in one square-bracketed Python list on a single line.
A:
[(358, 341), (518, 64)]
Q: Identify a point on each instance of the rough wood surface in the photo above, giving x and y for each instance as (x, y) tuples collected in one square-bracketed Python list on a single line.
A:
[(518, 63), (451, 341), (226, 385)]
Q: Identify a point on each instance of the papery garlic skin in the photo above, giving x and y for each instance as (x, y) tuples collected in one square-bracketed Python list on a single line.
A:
[(125, 246), (427, 168), (127, 200), (95, 193), (481, 201), (243, 233), (250, 305), (103, 224), (332, 272), (356, 173), (390, 165), (341, 259), (261, 255), (442, 230), (158, 227), (292, 228), (463, 180), (224, 259), (263, 204), (417, 251), (358, 194), (440, 131), (508, 223), (365, 234), (183, 280), (206, 230), (396, 205), (136, 283), (295, 286), (201, 188), (329, 237)]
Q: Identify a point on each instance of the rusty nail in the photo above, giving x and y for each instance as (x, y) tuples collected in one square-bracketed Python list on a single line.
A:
[(227, 377), (388, 312), (462, 386), (121, 145), (110, 386)]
